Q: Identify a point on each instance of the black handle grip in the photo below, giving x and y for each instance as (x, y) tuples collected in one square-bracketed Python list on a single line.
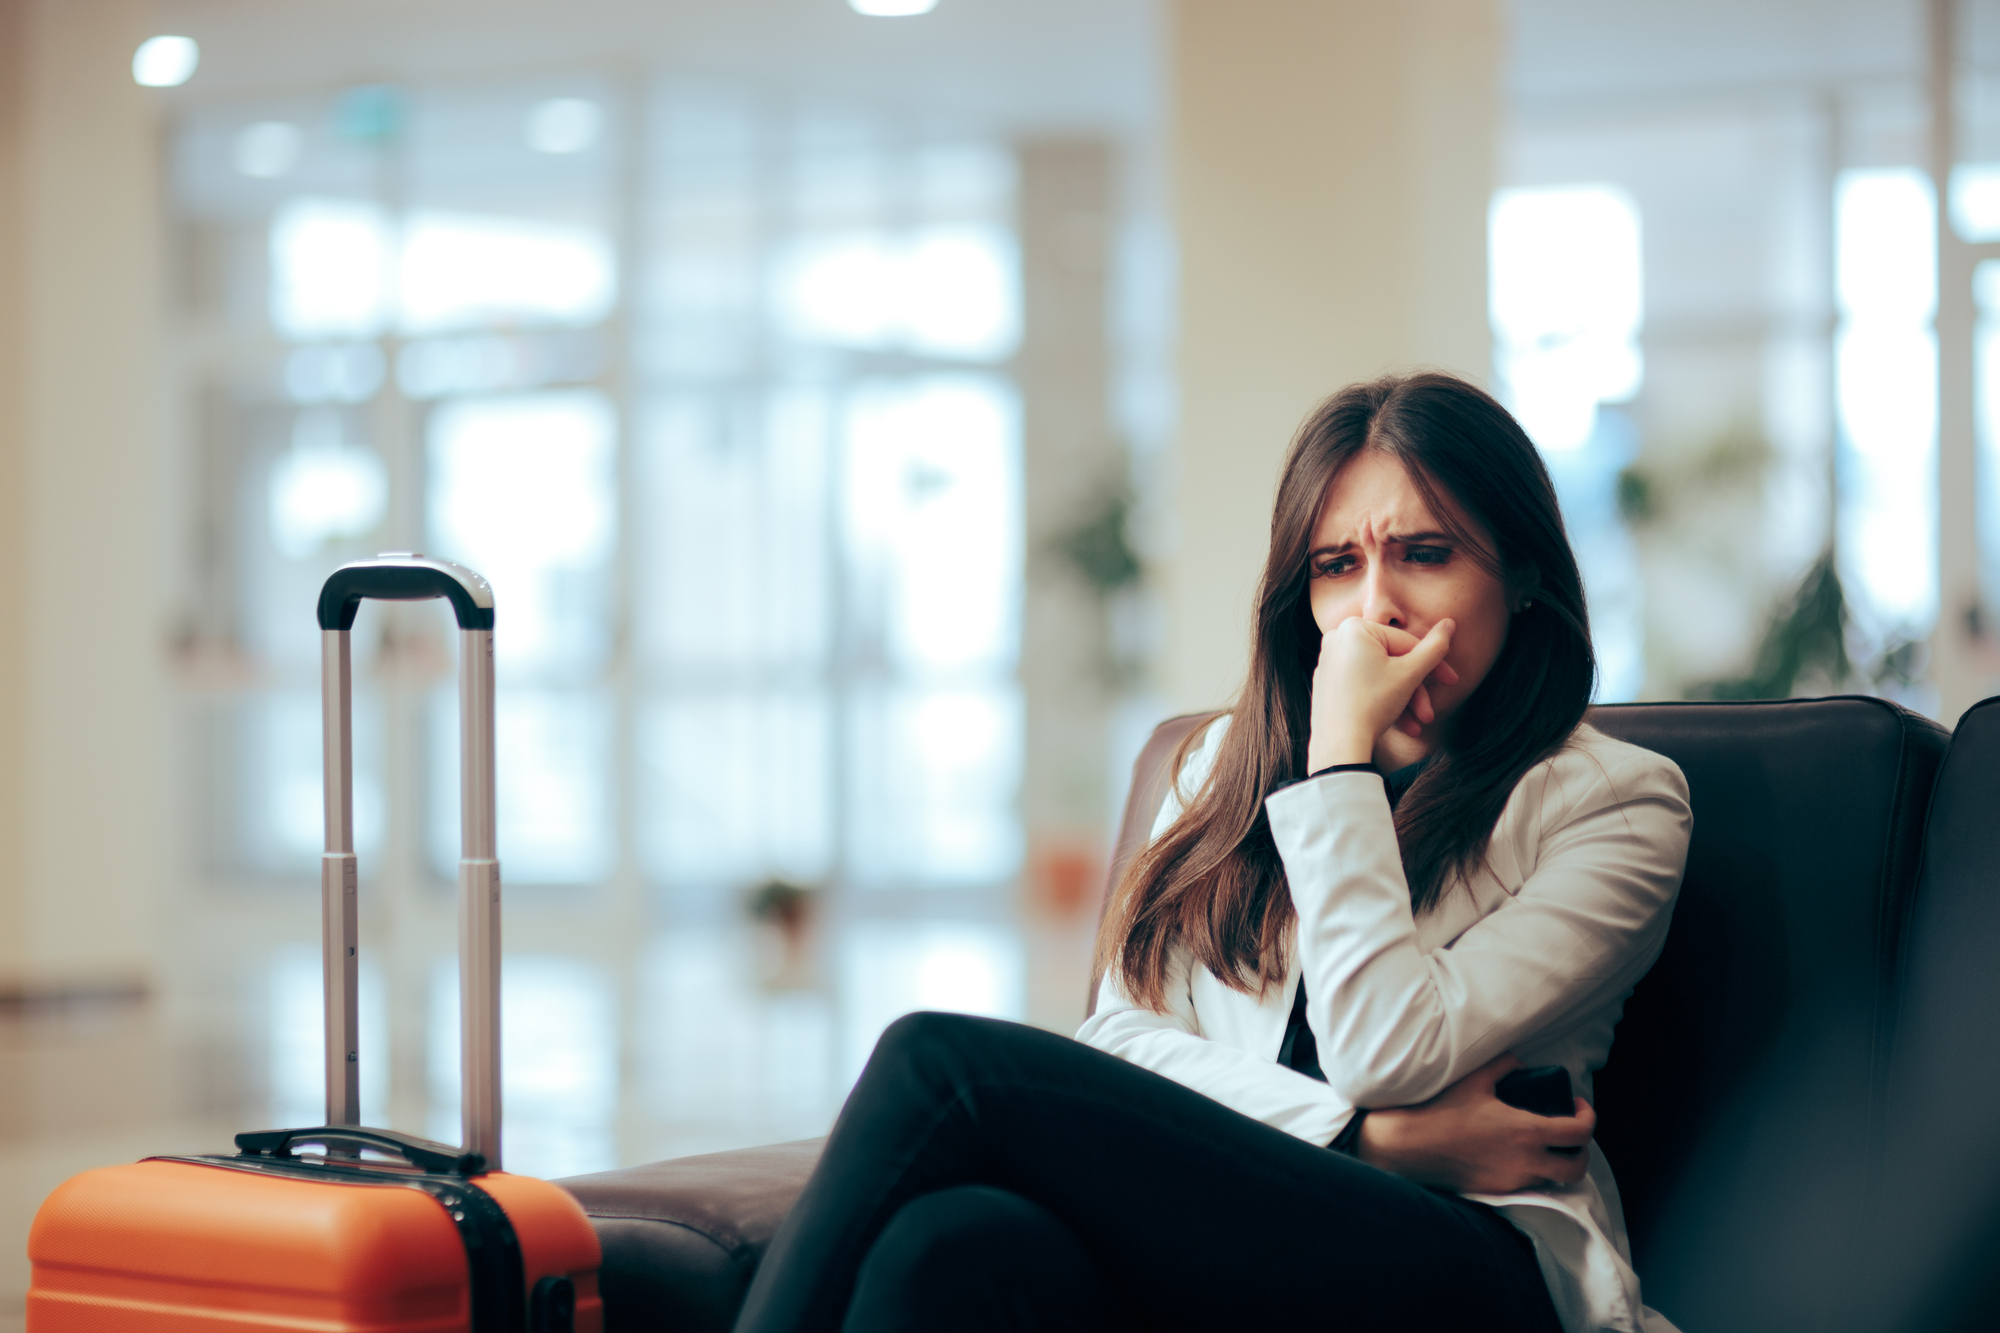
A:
[(1544, 1090), (405, 578), (436, 1158)]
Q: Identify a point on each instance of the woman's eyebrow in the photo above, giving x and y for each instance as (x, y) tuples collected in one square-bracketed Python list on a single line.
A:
[(1393, 539)]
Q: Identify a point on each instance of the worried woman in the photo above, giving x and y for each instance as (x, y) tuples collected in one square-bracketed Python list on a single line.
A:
[(1400, 867)]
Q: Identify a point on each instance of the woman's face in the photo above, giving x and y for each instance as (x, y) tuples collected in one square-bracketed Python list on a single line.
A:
[(1378, 552)]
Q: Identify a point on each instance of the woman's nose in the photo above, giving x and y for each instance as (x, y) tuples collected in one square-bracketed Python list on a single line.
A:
[(1380, 604)]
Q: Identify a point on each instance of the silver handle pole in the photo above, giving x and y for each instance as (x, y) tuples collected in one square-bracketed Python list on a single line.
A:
[(478, 901), (338, 928)]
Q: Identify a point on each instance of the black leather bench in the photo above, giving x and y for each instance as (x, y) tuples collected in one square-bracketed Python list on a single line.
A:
[(1748, 1096), (1934, 1247)]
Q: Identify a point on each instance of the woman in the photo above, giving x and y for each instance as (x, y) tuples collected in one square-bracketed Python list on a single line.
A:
[(1401, 867)]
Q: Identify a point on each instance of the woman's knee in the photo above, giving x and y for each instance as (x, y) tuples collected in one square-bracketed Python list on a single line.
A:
[(935, 1058), (925, 1027), (966, 1222), (979, 1257), (928, 1037)]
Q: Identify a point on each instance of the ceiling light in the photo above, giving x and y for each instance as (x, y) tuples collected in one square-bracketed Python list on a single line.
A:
[(892, 9), (165, 62)]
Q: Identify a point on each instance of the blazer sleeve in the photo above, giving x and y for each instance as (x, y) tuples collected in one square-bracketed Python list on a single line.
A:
[(1606, 836), (1172, 1044)]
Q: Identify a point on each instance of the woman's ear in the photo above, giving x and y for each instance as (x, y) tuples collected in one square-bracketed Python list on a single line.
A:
[(1524, 590)]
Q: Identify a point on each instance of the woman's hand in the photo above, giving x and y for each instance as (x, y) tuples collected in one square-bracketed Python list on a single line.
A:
[(1467, 1140), (1369, 678)]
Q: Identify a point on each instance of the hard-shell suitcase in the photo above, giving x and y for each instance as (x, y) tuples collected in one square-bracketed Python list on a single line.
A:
[(439, 1240)]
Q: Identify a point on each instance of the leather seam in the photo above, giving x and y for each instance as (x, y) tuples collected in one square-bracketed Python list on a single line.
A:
[(734, 1252)]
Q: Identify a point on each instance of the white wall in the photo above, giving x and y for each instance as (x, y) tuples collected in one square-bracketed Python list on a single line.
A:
[(82, 698), (13, 510), (1332, 161)]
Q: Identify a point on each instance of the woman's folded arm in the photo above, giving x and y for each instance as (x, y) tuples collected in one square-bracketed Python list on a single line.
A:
[(1171, 1044), (1396, 1025)]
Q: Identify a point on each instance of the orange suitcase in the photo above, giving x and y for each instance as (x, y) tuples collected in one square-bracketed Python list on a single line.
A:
[(377, 1231)]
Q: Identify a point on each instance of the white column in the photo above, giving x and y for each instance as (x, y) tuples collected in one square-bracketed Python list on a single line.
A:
[(1071, 460), (1333, 161), (13, 493), (83, 822)]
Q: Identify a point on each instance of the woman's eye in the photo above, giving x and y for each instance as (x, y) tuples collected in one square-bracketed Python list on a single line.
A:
[(1427, 555), (1339, 564)]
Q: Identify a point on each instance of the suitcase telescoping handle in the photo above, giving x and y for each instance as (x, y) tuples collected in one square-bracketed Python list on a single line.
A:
[(400, 576)]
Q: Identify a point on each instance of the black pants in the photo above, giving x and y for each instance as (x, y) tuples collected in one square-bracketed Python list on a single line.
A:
[(985, 1175)]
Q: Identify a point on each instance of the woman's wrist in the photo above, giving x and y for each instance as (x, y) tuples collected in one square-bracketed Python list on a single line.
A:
[(1384, 1142), (1348, 1141), (1333, 751), (1366, 1145)]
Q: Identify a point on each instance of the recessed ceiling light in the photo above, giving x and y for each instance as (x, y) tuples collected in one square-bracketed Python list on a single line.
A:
[(165, 62), (892, 9)]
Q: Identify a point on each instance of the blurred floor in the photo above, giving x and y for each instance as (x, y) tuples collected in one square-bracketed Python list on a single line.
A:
[(703, 1037)]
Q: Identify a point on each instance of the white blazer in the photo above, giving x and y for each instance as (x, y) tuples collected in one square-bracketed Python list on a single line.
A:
[(1534, 952)]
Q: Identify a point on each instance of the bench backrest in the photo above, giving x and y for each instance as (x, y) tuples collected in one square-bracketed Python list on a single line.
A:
[(1742, 1103), (1938, 1217)]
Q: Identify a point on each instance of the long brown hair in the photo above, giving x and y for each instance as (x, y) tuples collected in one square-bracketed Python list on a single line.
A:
[(1213, 882)]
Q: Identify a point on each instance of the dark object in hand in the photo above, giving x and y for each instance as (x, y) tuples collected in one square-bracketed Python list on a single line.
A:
[(1544, 1090)]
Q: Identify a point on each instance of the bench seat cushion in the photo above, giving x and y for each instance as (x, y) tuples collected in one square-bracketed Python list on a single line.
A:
[(682, 1238)]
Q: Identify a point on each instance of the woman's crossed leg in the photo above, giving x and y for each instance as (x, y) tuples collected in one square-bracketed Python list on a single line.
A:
[(1172, 1208)]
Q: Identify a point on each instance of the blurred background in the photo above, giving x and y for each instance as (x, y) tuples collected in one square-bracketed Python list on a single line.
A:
[(867, 415)]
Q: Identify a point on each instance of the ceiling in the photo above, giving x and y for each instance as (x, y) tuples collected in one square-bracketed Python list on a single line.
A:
[(1025, 66), (1033, 66), (1567, 54)]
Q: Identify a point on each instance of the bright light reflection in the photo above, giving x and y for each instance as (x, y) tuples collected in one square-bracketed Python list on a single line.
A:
[(553, 798), (934, 781), (324, 489), (1885, 245), (966, 746), (165, 62), (1975, 200), (522, 490), (933, 514), (738, 532), (942, 291), (891, 968), (959, 294), (459, 270), (1566, 304), (1886, 378), (329, 268), (338, 270), (1885, 357), (892, 9)]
